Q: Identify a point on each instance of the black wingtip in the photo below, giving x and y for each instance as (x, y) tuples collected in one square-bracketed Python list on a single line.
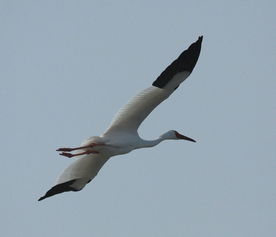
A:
[(59, 188), (200, 38), (185, 62), (41, 198)]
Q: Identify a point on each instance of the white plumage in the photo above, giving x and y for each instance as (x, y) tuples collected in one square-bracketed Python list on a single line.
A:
[(121, 136), (130, 116)]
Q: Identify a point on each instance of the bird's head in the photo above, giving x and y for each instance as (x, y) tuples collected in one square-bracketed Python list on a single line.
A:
[(174, 135)]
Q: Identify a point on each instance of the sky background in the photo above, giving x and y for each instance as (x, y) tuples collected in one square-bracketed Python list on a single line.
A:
[(65, 69)]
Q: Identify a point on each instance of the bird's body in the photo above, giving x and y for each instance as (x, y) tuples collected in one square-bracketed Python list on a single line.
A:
[(121, 136)]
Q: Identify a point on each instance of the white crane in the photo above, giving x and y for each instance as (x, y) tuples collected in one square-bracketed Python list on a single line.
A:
[(121, 137)]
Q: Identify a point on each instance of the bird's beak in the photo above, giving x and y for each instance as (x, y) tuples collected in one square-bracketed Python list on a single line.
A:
[(180, 136)]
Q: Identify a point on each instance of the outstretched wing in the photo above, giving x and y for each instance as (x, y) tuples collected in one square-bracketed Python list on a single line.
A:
[(130, 116), (77, 174)]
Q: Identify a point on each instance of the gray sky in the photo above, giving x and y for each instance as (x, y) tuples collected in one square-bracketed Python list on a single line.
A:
[(65, 69)]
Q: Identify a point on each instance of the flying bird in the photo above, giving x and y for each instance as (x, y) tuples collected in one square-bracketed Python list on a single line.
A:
[(121, 136)]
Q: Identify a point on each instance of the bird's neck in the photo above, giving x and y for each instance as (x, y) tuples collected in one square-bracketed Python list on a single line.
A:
[(151, 143)]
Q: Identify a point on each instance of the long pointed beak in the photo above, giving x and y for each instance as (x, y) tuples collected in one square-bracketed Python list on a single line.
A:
[(180, 136)]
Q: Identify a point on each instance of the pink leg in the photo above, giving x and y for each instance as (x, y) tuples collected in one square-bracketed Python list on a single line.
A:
[(69, 155), (81, 147)]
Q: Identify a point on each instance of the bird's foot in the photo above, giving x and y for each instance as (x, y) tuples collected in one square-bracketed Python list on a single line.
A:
[(69, 155), (81, 147), (65, 149)]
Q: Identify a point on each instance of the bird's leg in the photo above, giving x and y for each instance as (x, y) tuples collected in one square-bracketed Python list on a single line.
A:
[(69, 155), (81, 147)]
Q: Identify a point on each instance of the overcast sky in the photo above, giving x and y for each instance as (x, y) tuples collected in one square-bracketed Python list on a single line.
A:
[(65, 69)]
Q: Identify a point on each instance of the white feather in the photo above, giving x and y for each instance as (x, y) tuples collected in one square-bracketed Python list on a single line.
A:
[(83, 169), (131, 115)]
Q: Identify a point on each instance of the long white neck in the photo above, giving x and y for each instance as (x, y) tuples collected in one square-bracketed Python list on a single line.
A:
[(170, 135), (150, 143)]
